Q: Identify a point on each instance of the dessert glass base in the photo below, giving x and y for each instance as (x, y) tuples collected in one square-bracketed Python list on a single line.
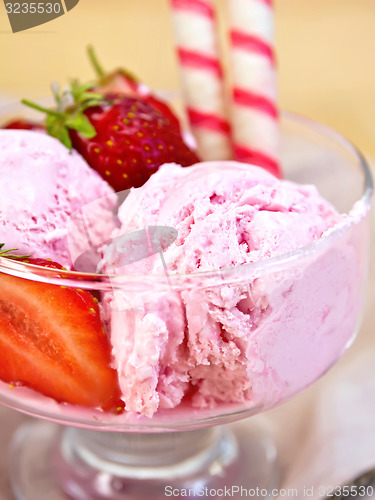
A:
[(91, 465), (316, 292)]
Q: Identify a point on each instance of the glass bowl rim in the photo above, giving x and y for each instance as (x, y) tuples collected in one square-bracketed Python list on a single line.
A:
[(227, 275)]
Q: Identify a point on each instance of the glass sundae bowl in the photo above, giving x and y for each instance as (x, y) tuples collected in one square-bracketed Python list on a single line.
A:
[(303, 307)]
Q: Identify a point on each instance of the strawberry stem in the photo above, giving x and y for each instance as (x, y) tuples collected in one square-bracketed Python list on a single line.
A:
[(95, 63), (50, 112)]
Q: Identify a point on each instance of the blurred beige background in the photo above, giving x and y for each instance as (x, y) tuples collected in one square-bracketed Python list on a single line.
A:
[(325, 50)]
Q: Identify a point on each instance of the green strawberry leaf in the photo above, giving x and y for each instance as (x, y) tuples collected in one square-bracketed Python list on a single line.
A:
[(91, 103), (80, 91), (65, 139), (6, 253), (76, 99), (56, 127), (82, 124)]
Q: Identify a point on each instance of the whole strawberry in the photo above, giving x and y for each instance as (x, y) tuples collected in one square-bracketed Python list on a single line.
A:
[(125, 139), (132, 140)]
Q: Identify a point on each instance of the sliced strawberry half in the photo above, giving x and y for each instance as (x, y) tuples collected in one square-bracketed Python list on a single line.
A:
[(52, 340)]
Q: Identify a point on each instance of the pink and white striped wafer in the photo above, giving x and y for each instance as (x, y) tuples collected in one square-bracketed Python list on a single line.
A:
[(202, 78), (255, 129)]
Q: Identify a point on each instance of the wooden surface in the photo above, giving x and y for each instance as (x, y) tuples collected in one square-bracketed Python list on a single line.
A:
[(326, 60)]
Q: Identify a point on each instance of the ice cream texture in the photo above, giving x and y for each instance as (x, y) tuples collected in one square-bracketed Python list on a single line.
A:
[(43, 184), (251, 341)]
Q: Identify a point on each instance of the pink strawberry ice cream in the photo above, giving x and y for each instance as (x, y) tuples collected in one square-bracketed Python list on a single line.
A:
[(244, 334), (43, 184)]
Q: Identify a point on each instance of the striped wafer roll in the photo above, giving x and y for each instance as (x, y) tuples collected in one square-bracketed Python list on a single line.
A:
[(202, 78), (254, 118)]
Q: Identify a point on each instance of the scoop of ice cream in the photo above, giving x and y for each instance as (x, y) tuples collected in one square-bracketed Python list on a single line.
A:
[(227, 214), (254, 341), (43, 184)]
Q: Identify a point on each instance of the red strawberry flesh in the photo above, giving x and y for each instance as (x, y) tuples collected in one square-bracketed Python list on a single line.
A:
[(52, 340)]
